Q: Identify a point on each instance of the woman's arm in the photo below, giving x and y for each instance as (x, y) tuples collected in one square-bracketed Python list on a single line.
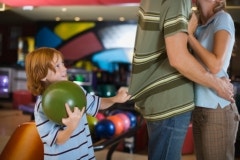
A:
[(215, 60)]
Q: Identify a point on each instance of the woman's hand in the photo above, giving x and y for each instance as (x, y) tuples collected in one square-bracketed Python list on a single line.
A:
[(192, 24)]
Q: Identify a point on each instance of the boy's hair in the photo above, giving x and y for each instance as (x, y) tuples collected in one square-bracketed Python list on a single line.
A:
[(37, 64)]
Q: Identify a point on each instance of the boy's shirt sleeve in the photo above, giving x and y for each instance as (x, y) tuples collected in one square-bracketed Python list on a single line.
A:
[(47, 129)]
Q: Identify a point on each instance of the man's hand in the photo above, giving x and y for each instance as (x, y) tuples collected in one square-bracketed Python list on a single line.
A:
[(225, 89)]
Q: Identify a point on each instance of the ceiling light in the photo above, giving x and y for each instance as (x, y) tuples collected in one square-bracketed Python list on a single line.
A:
[(64, 9), (100, 18), (129, 4), (2, 7), (121, 19), (27, 8), (57, 19), (77, 18)]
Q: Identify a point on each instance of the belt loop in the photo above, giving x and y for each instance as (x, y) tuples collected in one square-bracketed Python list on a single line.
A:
[(237, 117), (234, 107)]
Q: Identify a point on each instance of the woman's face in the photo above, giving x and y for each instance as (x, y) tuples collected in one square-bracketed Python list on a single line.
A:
[(200, 2), (61, 71)]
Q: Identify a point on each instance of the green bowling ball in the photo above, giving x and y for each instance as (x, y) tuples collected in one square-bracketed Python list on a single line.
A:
[(92, 122), (59, 93)]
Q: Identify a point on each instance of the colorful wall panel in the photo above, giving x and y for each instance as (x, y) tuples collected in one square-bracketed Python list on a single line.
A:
[(81, 46), (67, 30), (82, 40), (47, 38)]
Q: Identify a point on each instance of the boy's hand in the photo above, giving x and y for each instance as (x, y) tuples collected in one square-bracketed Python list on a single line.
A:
[(71, 123), (122, 95), (74, 117)]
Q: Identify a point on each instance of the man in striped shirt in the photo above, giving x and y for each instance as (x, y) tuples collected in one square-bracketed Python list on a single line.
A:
[(162, 74)]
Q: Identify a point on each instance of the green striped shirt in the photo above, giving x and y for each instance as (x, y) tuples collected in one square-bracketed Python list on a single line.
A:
[(159, 91)]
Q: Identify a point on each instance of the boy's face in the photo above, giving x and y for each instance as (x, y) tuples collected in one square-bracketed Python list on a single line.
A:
[(61, 71)]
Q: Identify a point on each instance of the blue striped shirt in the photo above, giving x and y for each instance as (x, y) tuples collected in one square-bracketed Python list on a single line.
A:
[(79, 146)]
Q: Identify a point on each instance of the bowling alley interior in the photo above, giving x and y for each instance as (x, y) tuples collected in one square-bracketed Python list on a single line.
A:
[(96, 39)]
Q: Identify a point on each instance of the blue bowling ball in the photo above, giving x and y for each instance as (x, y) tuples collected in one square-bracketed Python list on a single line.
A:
[(104, 129), (133, 119)]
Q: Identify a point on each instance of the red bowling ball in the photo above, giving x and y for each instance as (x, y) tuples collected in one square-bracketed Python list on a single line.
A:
[(100, 116), (125, 119)]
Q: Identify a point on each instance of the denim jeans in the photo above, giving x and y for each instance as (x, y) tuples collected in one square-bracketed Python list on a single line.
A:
[(166, 137)]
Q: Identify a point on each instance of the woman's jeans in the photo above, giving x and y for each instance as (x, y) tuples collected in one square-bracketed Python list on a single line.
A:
[(166, 137)]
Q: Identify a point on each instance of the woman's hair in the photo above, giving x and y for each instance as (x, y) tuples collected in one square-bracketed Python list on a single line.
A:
[(37, 64), (236, 47), (220, 5)]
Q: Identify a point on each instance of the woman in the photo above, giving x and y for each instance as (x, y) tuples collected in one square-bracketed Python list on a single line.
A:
[(215, 120)]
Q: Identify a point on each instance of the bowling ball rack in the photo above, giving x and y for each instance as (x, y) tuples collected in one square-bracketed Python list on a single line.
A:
[(113, 142)]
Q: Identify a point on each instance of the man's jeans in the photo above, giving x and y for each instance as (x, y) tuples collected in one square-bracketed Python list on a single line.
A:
[(166, 137)]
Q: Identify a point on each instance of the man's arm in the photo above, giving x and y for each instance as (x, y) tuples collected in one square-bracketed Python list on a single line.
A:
[(187, 65)]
